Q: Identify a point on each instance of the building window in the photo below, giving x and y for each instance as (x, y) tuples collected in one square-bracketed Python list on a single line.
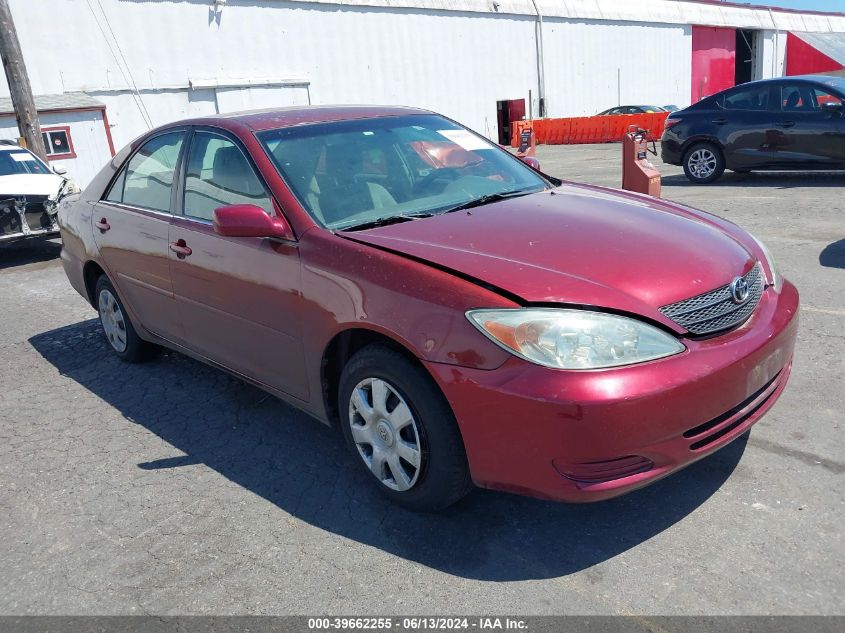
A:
[(57, 142)]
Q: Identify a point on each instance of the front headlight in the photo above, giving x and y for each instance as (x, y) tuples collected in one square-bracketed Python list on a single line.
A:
[(574, 339), (777, 279)]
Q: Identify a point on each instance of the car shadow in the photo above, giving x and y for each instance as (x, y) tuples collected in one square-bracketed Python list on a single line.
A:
[(833, 255), (303, 467), (30, 251), (769, 179)]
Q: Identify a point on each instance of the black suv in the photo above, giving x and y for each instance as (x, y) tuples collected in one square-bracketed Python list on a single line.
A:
[(790, 123)]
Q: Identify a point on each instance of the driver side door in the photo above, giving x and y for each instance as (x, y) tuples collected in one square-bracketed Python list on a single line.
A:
[(238, 297), (809, 132)]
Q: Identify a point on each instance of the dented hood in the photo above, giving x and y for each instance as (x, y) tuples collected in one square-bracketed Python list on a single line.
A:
[(577, 245)]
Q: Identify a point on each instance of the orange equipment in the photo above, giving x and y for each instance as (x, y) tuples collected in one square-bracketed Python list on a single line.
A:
[(638, 174)]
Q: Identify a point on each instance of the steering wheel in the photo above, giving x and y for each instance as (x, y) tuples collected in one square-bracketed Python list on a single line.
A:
[(447, 174)]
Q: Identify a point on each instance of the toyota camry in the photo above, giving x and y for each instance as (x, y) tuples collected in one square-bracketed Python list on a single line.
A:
[(463, 318)]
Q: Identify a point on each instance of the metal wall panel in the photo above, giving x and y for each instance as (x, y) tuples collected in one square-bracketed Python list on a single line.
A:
[(771, 61), (458, 57), (456, 63), (235, 99), (595, 65)]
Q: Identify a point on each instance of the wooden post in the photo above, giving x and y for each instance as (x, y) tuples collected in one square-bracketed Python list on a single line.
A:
[(19, 88)]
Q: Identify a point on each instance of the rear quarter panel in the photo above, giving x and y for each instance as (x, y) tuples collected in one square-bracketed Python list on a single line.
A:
[(75, 216)]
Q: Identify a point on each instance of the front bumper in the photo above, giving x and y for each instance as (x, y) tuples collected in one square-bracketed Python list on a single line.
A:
[(592, 435), (24, 217)]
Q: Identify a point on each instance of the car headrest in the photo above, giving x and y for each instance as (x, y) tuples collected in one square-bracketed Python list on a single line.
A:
[(231, 171)]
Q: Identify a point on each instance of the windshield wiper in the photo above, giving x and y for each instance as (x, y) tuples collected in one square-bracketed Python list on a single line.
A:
[(390, 219), (488, 198)]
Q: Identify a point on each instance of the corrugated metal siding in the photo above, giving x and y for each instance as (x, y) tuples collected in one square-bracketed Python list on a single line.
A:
[(456, 63), (654, 11), (591, 66), (455, 56)]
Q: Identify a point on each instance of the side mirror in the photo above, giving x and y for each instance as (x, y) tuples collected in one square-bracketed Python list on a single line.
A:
[(832, 108), (248, 220), (532, 162), (59, 169)]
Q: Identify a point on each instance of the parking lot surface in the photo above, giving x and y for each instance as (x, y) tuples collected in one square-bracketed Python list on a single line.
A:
[(173, 488)]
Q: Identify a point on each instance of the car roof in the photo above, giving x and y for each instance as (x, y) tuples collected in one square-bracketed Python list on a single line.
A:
[(816, 79), (12, 147), (273, 118)]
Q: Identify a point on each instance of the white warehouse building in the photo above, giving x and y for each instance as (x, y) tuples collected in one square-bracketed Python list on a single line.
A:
[(142, 63)]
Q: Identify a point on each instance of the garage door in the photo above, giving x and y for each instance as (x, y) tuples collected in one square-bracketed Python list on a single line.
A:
[(713, 60)]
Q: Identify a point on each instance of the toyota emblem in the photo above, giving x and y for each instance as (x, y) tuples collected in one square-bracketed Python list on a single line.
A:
[(739, 290)]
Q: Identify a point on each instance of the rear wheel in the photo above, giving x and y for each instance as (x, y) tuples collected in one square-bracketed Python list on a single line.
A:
[(117, 327), (703, 163), (402, 431)]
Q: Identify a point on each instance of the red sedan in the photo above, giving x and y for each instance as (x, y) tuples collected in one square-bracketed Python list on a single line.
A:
[(463, 318)]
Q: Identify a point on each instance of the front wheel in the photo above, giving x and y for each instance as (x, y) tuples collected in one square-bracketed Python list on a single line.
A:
[(402, 431), (703, 163)]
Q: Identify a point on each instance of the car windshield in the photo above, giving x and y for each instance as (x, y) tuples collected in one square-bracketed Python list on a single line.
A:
[(361, 172), (20, 162)]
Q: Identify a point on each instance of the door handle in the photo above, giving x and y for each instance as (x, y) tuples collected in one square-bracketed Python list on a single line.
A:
[(719, 121), (103, 225), (786, 124), (181, 249)]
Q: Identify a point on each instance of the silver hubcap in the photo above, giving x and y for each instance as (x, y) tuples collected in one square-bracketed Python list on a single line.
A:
[(114, 324), (385, 433), (702, 163)]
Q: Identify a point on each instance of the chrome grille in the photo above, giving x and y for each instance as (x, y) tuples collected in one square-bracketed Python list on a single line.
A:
[(715, 310)]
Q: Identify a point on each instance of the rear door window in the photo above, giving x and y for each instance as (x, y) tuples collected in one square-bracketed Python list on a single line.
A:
[(754, 99), (146, 181)]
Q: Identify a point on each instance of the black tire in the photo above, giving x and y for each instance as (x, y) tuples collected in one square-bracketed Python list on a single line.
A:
[(135, 349), (703, 163), (442, 476)]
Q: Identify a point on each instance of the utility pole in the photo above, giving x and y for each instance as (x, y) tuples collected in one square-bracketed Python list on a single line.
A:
[(19, 88)]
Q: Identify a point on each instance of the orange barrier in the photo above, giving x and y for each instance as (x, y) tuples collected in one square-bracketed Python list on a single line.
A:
[(591, 129)]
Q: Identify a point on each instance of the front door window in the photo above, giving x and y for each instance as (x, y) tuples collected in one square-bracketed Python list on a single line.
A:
[(218, 174)]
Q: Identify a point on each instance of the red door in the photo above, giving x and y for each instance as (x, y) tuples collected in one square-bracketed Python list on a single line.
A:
[(713, 60), (516, 110)]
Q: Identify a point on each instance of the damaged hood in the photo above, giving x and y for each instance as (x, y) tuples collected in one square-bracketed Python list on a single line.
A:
[(577, 245), (15, 185)]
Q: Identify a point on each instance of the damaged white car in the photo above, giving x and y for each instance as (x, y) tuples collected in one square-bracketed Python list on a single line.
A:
[(30, 192)]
